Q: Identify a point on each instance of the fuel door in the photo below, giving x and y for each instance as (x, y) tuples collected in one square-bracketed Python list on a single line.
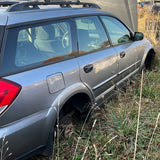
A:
[(55, 82)]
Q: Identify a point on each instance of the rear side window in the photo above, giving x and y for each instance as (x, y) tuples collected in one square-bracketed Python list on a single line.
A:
[(91, 34), (37, 44), (117, 31), (1, 33)]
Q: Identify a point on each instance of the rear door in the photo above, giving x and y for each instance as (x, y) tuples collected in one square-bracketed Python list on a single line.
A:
[(97, 60)]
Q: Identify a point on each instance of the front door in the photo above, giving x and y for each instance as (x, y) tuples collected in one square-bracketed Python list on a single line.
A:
[(125, 46)]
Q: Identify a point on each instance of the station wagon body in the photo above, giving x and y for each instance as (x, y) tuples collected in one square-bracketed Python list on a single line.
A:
[(54, 59)]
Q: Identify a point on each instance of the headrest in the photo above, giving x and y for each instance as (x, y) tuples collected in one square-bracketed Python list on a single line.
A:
[(45, 32)]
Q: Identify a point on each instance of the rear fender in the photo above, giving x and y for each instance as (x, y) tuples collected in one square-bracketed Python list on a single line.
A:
[(63, 97), (67, 93)]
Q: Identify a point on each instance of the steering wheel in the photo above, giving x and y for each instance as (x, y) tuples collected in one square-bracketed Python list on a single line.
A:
[(65, 40)]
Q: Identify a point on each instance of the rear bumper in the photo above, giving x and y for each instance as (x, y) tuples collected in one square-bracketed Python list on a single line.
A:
[(25, 135)]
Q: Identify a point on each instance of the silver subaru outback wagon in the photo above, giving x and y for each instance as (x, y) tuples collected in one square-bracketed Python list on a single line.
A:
[(55, 60)]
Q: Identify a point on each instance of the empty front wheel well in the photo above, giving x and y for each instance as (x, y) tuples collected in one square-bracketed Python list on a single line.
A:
[(149, 59)]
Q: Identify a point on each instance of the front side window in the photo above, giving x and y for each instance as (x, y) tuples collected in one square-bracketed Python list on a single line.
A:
[(37, 44), (117, 31), (91, 35)]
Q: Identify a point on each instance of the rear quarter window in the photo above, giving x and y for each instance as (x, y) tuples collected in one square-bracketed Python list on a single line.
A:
[(36, 45), (1, 37), (1, 33)]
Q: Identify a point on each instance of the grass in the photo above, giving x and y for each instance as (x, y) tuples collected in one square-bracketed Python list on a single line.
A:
[(4, 150), (113, 136)]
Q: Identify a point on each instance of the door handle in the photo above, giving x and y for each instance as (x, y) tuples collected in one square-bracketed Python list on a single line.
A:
[(88, 68), (122, 54)]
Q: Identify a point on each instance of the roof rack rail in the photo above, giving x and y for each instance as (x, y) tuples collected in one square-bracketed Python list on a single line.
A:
[(35, 5), (156, 1), (6, 3)]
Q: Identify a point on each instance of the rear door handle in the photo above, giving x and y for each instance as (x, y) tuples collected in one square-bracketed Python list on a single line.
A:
[(122, 54), (88, 68)]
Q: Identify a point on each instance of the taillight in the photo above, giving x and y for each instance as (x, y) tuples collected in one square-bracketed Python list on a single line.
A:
[(8, 92)]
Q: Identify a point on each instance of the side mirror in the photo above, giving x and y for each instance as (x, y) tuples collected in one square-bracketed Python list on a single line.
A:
[(138, 36)]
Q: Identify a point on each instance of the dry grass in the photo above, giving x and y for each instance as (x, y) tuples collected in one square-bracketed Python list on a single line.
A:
[(4, 150)]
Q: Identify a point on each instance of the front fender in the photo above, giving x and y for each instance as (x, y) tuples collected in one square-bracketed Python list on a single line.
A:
[(149, 47)]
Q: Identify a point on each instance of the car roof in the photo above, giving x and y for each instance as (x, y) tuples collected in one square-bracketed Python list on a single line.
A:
[(45, 12)]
